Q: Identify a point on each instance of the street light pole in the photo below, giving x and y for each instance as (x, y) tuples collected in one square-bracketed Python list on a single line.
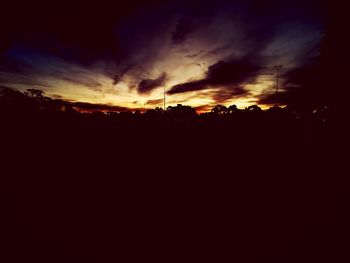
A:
[(164, 94), (277, 68)]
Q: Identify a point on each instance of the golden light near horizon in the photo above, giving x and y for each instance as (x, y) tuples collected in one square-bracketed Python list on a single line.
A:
[(110, 66), (124, 95), (77, 83)]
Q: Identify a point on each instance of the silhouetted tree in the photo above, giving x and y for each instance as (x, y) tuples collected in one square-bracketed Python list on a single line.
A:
[(253, 108), (220, 110), (180, 113), (35, 93), (233, 109)]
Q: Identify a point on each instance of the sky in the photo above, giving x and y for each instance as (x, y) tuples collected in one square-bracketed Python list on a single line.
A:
[(203, 53)]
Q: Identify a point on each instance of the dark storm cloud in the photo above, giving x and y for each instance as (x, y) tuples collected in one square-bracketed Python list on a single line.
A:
[(290, 97), (117, 78), (147, 85), (225, 94), (302, 86), (250, 36), (77, 32), (305, 75), (221, 74), (136, 33), (92, 36), (119, 32), (188, 86)]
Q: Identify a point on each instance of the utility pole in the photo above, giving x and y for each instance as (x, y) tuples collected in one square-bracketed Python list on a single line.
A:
[(164, 94), (277, 68)]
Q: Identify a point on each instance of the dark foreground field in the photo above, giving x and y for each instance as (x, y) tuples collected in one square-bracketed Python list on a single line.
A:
[(246, 186)]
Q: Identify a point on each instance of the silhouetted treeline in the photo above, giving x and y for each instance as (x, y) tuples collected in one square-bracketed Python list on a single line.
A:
[(34, 102), (82, 185)]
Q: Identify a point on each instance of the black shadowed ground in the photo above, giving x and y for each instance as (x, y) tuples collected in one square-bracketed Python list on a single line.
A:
[(97, 187)]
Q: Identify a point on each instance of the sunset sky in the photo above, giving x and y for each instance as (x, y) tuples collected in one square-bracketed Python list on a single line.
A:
[(205, 53)]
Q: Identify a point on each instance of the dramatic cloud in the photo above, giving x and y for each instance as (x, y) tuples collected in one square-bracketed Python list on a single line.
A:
[(221, 74), (302, 86), (119, 58), (147, 85), (117, 78), (226, 94)]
